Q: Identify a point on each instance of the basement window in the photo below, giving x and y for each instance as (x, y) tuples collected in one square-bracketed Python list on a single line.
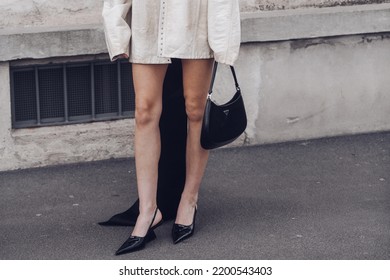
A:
[(69, 93)]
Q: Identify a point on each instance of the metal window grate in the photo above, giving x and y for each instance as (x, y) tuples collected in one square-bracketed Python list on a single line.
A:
[(24, 103), (106, 89), (127, 88), (79, 86), (51, 94), (71, 93)]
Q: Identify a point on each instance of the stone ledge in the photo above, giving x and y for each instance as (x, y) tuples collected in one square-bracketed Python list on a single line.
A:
[(314, 22), (289, 24), (51, 42)]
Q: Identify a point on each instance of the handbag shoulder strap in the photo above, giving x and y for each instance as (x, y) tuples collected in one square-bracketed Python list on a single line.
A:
[(215, 73)]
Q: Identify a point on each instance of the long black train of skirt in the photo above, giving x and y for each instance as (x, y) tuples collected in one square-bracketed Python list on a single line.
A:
[(171, 169)]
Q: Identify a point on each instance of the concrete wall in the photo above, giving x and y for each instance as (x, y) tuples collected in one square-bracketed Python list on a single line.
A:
[(24, 148), (266, 5), (316, 87), (305, 73), (26, 13)]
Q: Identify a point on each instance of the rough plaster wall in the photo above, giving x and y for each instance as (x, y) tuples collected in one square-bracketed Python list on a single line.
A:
[(27, 13), (250, 5), (321, 87), (16, 13), (50, 145), (43, 146), (5, 110)]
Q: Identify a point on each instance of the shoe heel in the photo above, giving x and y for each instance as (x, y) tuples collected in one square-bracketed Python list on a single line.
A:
[(135, 243)]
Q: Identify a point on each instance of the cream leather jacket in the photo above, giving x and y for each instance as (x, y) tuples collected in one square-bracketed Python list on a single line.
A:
[(153, 31)]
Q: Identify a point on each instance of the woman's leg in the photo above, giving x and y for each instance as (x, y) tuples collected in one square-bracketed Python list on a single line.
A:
[(148, 84), (196, 81)]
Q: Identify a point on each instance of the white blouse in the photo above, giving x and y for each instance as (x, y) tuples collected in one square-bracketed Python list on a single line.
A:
[(153, 31)]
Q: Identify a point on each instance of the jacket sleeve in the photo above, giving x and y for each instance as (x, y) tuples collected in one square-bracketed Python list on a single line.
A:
[(116, 27), (224, 30)]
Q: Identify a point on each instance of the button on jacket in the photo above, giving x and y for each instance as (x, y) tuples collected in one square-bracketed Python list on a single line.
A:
[(153, 31)]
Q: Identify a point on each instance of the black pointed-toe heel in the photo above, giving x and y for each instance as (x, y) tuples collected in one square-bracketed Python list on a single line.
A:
[(182, 232), (136, 243)]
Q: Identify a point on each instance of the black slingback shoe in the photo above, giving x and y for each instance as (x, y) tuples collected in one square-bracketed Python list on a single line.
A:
[(135, 243), (182, 232)]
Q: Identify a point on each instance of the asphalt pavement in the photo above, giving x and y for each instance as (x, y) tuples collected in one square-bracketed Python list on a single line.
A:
[(317, 199)]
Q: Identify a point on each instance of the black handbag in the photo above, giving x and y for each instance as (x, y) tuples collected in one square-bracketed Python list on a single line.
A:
[(222, 124)]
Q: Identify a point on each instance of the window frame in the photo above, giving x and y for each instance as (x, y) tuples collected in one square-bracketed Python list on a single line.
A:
[(66, 119)]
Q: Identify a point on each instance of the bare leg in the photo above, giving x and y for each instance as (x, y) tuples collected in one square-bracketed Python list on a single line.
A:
[(196, 80), (148, 83)]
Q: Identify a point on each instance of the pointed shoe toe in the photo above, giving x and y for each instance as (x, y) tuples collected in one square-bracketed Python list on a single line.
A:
[(135, 243), (182, 232)]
